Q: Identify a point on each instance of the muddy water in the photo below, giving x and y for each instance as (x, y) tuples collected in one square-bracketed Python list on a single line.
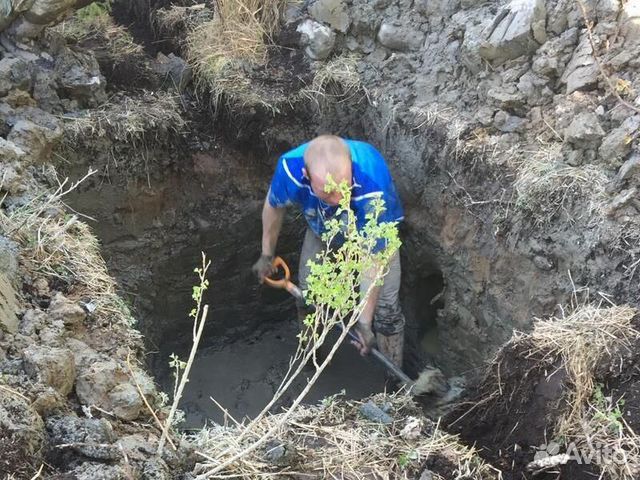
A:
[(243, 375)]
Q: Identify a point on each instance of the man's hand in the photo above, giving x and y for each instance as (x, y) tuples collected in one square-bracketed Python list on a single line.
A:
[(263, 267), (366, 338)]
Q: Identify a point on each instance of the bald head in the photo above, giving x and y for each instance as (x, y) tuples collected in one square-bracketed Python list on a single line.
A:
[(327, 155)]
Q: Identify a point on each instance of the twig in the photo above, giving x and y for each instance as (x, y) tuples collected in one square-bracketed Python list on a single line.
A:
[(146, 402), (38, 472), (15, 392), (283, 420), (199, 320), (589, 24)]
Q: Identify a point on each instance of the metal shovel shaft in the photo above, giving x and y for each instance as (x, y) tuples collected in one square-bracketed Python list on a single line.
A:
[(294, 290)]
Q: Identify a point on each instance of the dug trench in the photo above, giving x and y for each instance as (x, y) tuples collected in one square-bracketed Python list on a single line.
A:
[(209, 200), (463, 292)]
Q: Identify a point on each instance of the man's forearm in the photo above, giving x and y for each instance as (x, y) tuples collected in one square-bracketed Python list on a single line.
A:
[(372, 299), (271, 225)]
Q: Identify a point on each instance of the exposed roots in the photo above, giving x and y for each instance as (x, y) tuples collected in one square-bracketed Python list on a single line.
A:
[(132, 120), (334, 440)]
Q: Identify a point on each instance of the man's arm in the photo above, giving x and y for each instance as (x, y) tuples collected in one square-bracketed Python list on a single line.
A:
[(364, 327), (271, 224)]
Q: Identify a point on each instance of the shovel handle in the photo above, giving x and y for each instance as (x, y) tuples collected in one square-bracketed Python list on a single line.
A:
[(279, 263)]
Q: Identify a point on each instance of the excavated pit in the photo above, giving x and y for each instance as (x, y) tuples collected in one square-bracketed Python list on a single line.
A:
[(152, 231)]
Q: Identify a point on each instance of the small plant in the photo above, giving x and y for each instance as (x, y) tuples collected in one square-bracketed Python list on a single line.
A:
[(180, 368), (334, 289), (405, 459), (331, 399), (95, 10), (606, 411)]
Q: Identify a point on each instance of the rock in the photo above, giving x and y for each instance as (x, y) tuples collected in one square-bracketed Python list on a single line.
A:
[(621, 200), (8, 258), (98, 471), (70, 313), (126, 401), (107, 385), (41, 287), (37, 141), (630, 20), (174, 69), (581, 72), (543, 263), (429, 8), (535, 89), (412, 429), (156, 469), (38, 14), (280, 454), (507, 98), (80, 78), (9, 306), (317, 39), (11, 167), (91, 437), (617, 144), (574, 158), (48, 401), (552, 57), (15, 73), (399, 38), (52, 366), (21, 434), (426, 475), (373, 412), (331, 12), (508, 123), (518, 29), (470, 48), (584, 130), (629, 168)]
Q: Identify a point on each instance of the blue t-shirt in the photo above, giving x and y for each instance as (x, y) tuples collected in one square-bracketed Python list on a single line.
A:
[(371, 179)]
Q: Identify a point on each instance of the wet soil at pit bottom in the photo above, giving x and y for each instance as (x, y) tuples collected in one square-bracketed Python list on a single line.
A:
[(242, 376)]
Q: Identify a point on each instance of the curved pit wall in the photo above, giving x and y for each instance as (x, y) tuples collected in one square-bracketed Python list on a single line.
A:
[(152, 231)]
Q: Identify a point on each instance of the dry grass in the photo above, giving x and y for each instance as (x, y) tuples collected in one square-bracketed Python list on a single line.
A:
[(546, 187), (584, 339), (333, 440), (94, 26), (336, 80), (236, 39), (62, 246), (173, 19), (134, 120)]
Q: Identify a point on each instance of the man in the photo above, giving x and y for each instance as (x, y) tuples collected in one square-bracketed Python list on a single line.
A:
[(300, 179)]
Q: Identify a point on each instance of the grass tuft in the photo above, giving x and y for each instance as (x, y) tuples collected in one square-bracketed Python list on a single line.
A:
[(584, 339), (223, 49), (336, 80), (131, 120), (94, 27), (546, 187)]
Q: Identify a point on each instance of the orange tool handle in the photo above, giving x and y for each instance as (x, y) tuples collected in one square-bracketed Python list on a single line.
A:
[(278, 263)]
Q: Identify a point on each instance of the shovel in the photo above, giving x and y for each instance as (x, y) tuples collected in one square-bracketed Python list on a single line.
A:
[(289, 286)]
